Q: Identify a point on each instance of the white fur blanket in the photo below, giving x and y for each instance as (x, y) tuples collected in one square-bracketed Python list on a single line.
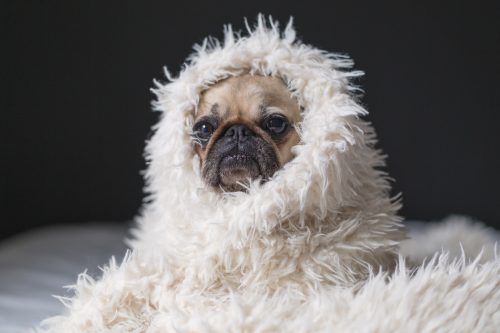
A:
[(316, 248)]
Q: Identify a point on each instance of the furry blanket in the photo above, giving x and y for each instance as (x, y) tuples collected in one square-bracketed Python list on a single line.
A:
[(313, 249)]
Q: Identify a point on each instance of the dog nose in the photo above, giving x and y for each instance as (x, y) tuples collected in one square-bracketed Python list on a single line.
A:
[(238, 133)]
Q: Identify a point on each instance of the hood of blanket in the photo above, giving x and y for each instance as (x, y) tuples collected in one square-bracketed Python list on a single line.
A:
[(325, 217)]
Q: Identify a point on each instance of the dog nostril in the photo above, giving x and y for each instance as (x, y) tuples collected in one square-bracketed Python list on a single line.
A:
[(238, 132)]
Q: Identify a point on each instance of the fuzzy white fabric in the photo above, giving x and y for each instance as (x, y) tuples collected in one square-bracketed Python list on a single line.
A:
[(311, 250)]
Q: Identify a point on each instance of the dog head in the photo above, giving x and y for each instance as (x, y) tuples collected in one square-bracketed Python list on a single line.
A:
[(244, 130)]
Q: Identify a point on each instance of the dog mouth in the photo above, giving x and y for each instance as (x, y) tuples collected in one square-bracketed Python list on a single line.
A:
[(238, 168), (231, 165)]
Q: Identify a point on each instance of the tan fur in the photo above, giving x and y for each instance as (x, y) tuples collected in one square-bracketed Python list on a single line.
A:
[(240, 100)]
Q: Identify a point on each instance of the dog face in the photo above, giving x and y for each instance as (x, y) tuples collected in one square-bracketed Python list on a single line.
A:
[(244, 129)]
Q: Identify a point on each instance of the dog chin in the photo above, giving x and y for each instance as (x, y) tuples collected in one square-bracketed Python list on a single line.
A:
[(235, 171)]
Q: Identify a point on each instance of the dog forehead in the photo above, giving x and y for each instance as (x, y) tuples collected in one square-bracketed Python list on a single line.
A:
[(233, 97), (247, 96)]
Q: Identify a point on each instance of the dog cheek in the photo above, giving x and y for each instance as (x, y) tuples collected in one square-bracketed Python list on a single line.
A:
[(268, 159), (209, 170)]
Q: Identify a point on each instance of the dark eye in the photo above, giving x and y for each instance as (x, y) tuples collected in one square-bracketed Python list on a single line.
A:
[(276, 124), (203, 130)]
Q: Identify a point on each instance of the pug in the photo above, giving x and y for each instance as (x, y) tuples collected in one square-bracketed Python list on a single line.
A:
[(244, 129)]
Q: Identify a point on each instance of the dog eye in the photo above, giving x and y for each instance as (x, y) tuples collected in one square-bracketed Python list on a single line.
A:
[(203, 130), (276, 124)]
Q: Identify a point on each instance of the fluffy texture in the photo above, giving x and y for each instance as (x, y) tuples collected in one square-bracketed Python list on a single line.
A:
[(311, 250)]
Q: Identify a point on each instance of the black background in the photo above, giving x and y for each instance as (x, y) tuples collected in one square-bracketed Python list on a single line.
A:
[(76, 100)]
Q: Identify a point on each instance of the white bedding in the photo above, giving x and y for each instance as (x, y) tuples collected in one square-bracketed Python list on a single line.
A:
[(36, 265)]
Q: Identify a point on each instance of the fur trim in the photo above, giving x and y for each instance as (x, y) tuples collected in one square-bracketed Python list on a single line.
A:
[(441, 296), (288, 255)]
